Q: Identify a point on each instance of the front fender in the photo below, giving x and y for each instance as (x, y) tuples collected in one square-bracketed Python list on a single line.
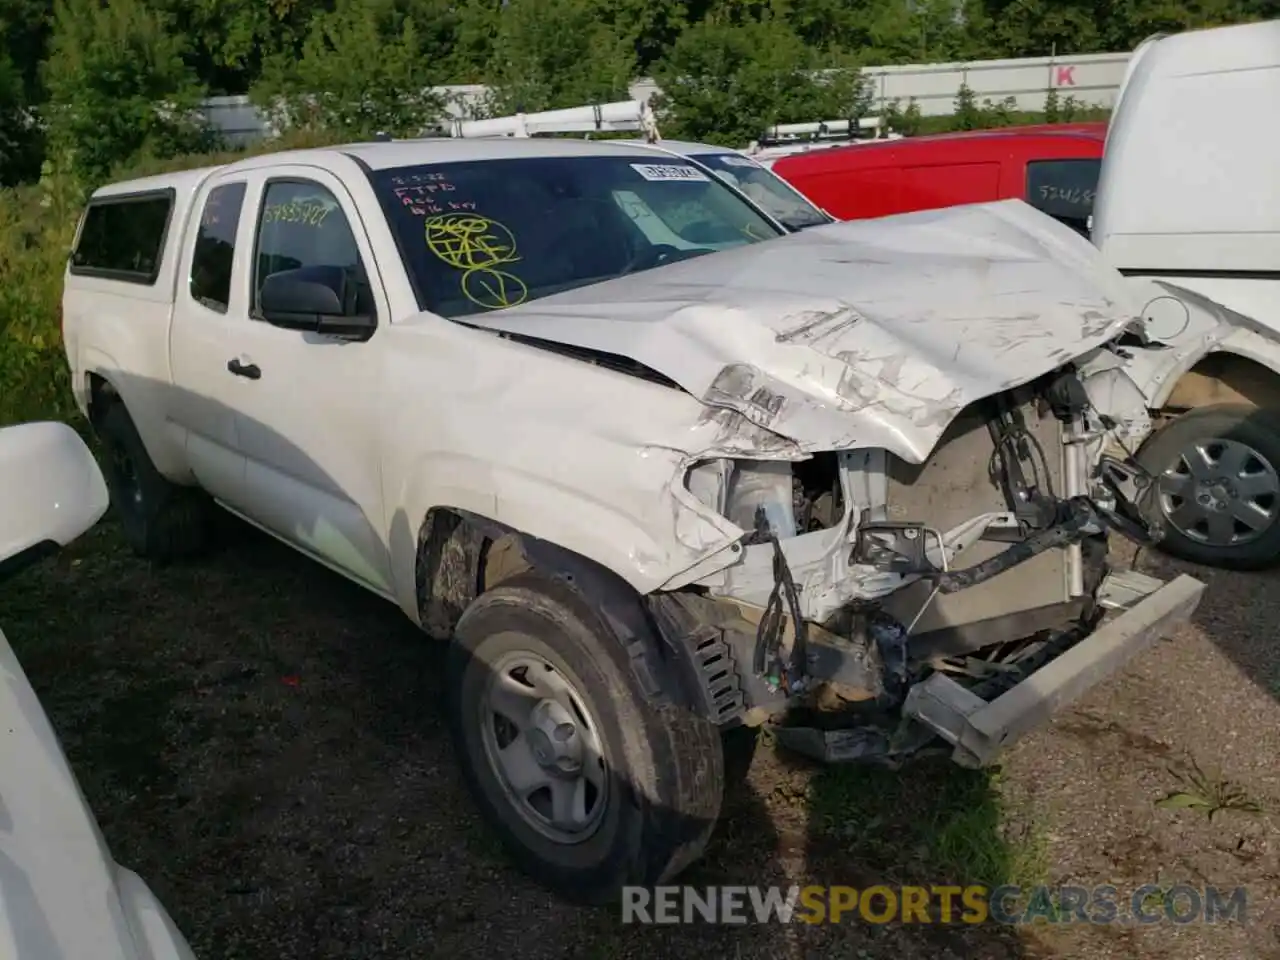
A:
[(1203, 327), (647, 539)]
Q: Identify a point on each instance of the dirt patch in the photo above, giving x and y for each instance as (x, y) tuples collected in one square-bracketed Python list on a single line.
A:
[(262, 742)]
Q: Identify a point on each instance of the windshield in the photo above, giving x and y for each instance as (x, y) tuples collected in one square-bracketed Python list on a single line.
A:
[(484, 235), (766, 189)]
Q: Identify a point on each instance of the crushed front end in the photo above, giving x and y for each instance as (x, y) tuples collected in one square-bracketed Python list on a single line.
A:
[(880, 608)]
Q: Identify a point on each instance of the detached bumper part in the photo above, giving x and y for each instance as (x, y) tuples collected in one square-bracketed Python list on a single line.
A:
[(979, 730)]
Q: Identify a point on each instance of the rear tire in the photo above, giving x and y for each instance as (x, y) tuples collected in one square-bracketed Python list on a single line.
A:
[(161, 520), (589, 786), (1211, 465)]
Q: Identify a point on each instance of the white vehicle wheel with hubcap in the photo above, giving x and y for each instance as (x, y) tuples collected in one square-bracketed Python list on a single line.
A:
[(1217, 473), (589, 786)]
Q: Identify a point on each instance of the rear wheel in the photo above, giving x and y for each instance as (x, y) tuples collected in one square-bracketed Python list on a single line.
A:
[(588, 785), (161, 520), (1217, 471)]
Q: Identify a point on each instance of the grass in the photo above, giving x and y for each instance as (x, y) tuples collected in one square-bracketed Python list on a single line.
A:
[(954, 826), (263, 743), (1207, 793)]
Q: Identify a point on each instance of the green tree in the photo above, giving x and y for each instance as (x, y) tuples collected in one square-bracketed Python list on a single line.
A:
[(475, 26), (728, 83), (20, 142), (118, 87), (230, 40), (649, 26), (363, 70), (24, 30), (556, 53), (24, 34), (966, 114)]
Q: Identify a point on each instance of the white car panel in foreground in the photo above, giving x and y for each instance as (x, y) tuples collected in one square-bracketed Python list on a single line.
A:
[(62, 896)]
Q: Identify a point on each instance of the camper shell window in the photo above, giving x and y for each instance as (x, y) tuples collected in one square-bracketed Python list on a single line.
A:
[(122, 237)]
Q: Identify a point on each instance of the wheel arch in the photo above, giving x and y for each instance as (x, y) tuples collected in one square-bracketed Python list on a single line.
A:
[(461, 554), (1242, 368), (104, 384)]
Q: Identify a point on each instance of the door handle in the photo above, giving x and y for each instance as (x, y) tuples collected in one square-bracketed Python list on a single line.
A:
[(249, 370)]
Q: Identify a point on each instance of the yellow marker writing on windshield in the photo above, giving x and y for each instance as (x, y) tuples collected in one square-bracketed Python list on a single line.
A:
[(477, 246)]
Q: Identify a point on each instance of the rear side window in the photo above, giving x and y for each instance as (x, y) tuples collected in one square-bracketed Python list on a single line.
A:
[(123, 237), (216, 247), (1064, 189)]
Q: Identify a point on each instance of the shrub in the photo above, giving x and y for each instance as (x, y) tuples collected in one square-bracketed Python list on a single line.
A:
[(37, 226)]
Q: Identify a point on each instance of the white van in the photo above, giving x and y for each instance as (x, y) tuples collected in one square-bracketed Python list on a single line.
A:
[(1189, 196)]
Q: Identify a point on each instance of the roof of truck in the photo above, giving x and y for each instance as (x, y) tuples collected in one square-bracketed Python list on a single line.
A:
[(381, 156), (180, 180), (687, 147)]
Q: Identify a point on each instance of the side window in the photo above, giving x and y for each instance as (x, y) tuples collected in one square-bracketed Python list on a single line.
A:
[(216, 247), (123, 237), (302, 225), (1064, 189)]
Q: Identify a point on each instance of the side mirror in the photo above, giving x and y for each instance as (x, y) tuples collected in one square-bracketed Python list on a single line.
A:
[(322, 299), (51, 492)]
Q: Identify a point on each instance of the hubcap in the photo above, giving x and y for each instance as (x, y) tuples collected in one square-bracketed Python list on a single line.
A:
[(1221, 493), (544, 747)]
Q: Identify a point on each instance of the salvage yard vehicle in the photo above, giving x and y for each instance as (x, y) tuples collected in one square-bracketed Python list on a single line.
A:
[(1053, 167), (756, 182), (777, 198), (658, 470), (1197, 213), (62, 895), (1194, 210)]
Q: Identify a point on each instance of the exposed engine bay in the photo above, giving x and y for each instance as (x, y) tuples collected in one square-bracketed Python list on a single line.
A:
[(863, 574), (906, 455)]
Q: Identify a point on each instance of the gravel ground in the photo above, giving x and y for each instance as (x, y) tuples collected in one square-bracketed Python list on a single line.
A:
[(262, 742)]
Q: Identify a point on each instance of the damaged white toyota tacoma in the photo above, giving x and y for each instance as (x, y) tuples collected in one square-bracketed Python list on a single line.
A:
[(659, 471)]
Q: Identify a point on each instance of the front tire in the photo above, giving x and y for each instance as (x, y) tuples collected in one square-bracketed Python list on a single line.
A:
[(161, 520), (589, 786), (1217, 473)]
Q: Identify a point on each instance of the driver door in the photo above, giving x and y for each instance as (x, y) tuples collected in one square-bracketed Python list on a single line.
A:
[(307, 421)]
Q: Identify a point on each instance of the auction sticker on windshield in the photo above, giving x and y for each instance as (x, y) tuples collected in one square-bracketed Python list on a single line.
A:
[(668, 171), (731, 160)]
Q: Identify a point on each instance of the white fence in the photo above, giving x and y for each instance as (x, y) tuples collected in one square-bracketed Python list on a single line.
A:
[(1090, 78)]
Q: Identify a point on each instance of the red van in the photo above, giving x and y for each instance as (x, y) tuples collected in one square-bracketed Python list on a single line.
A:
[(1051, 166)]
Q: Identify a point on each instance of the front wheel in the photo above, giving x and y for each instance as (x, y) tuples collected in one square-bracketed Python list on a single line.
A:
[(1218, 485), (588, 785)]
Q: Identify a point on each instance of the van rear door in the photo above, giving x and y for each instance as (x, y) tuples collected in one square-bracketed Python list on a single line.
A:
[(1064, 189)]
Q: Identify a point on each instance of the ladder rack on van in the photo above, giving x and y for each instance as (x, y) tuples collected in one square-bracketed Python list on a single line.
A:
[(637, 115), (615, 117), (786, 133)]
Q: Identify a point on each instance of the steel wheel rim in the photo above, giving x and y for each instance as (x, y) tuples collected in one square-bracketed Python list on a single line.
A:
[(1220, 492), (544, 747)]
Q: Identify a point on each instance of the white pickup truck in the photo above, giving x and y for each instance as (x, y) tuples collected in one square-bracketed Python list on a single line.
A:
[(658, 470)]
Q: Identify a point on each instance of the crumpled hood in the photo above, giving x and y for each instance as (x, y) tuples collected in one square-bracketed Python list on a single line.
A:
[(871, 333)]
